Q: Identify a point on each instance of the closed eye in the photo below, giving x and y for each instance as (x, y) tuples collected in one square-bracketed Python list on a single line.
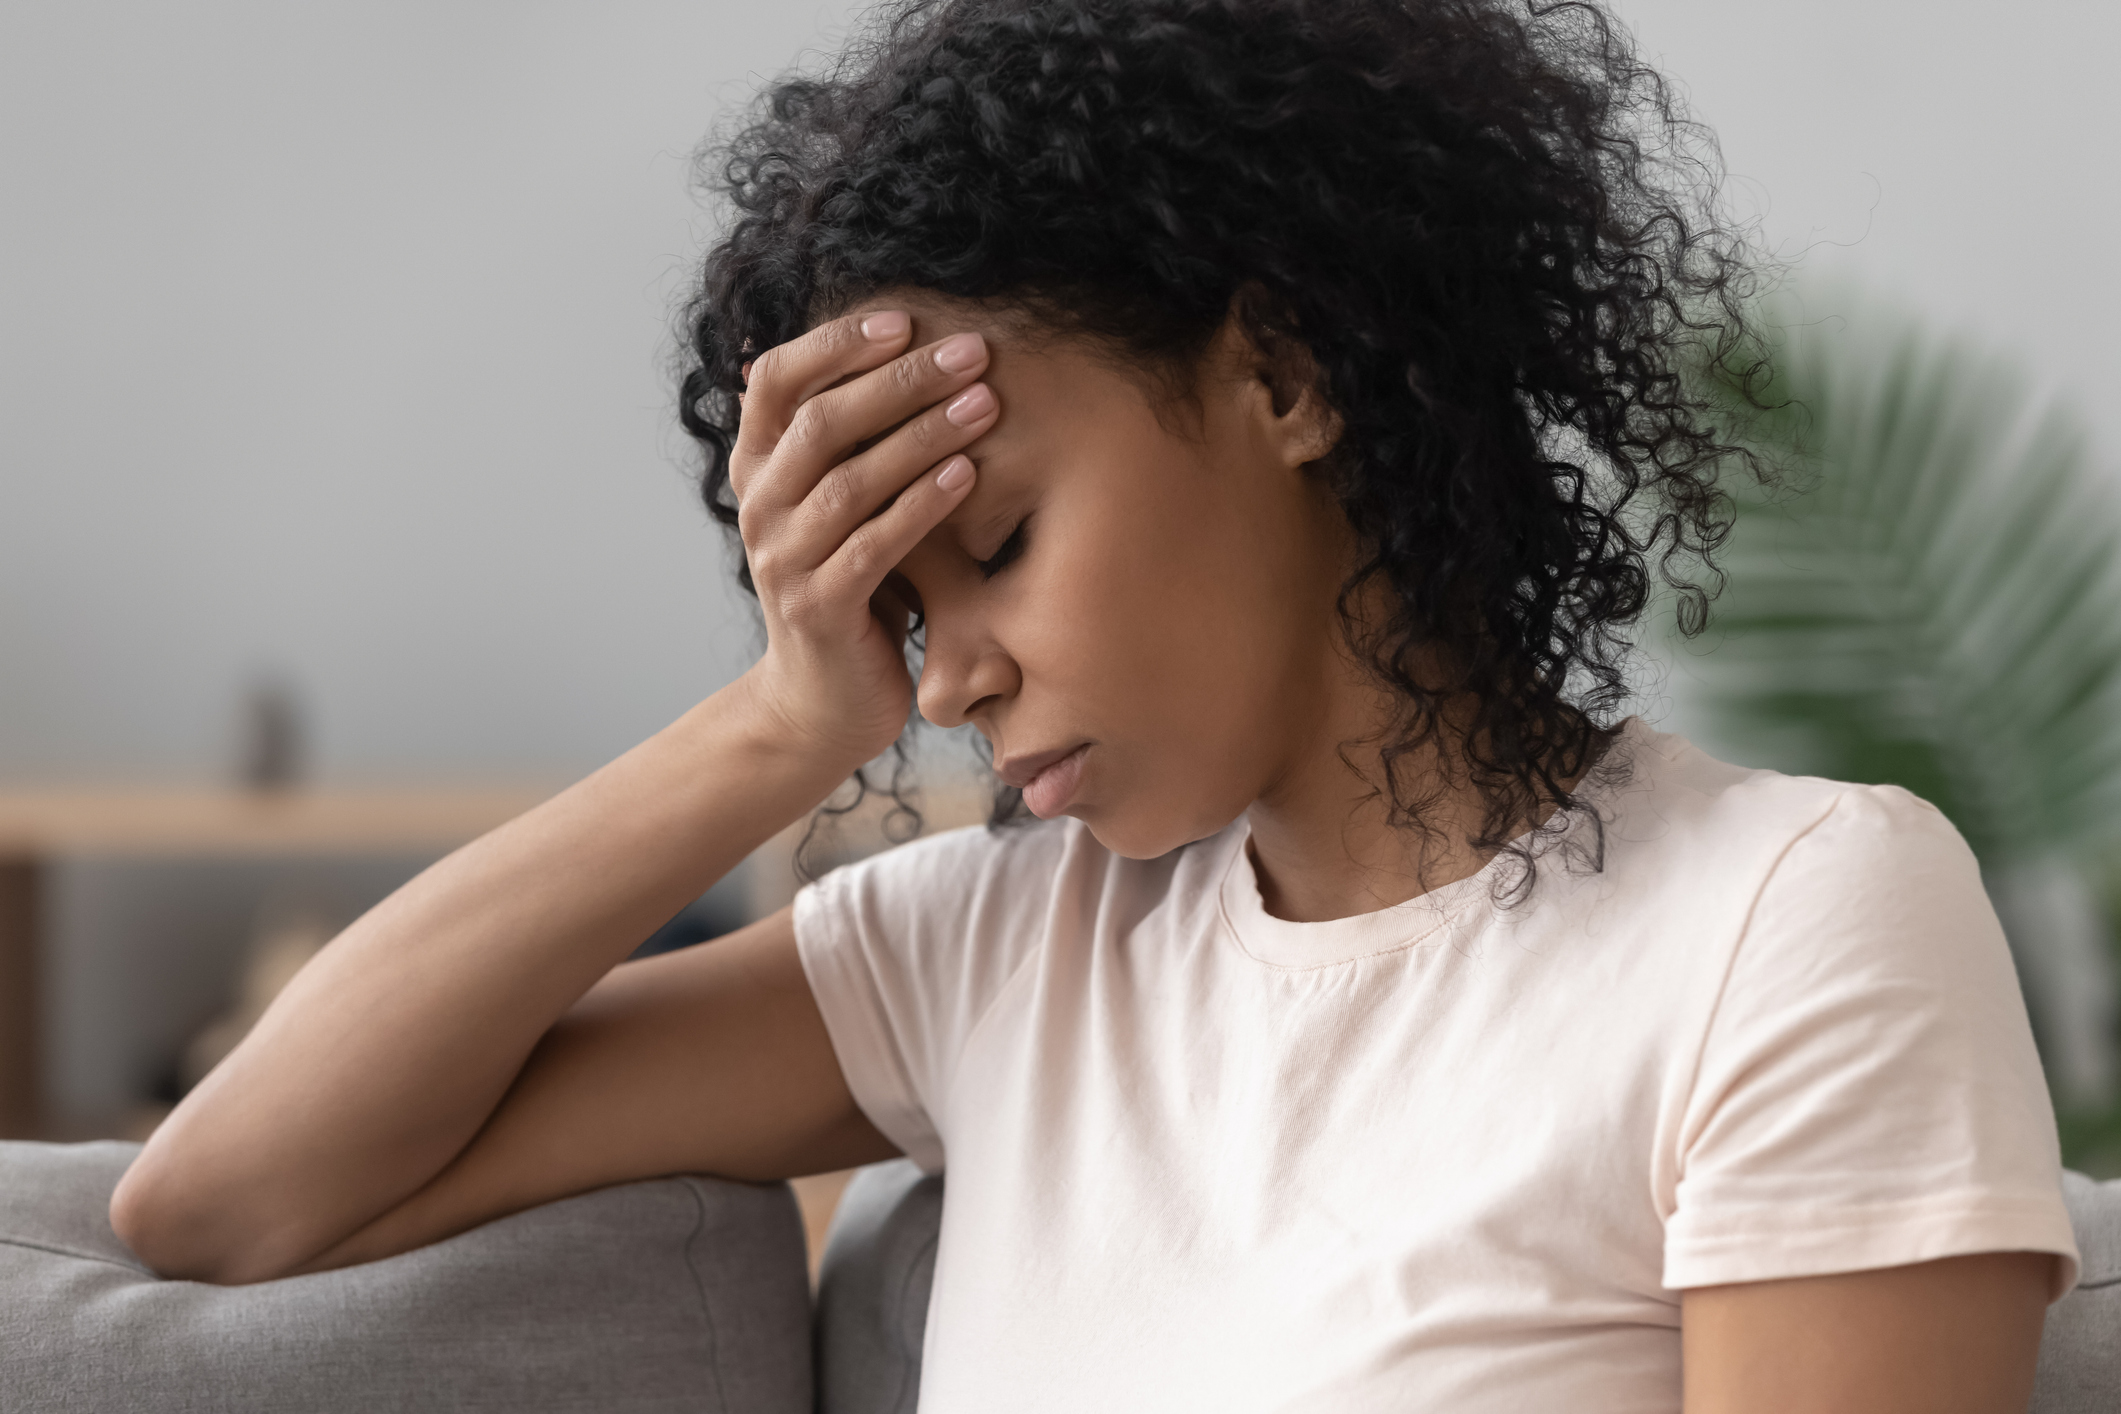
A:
[(1001, 559)]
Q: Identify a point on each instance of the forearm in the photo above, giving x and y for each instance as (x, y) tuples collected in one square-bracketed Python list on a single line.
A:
[(384, 1057)]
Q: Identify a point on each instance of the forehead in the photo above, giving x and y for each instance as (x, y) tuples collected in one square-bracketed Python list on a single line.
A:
[(1037, 368)]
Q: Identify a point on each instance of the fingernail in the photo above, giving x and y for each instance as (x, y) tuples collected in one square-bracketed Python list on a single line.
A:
[(883, 328), (959, 352), (957, 473), (970, 406)]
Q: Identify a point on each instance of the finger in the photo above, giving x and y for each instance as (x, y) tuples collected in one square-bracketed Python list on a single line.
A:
[(829, 427), (853, 491), (781, 379), (879, 543)]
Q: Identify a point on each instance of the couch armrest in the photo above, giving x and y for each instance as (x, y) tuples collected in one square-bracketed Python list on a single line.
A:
[(675, 1294)]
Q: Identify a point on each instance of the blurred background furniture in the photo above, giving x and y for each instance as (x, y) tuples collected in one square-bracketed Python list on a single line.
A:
[(44, 828)]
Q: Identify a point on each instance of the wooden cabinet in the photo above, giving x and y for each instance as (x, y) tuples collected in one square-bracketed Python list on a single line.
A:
[(41, 828)]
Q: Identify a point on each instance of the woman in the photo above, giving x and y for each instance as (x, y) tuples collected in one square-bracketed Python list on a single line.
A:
[(1265, 420)]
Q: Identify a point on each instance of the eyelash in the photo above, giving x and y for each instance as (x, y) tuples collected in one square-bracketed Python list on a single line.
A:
[(1001, 559)]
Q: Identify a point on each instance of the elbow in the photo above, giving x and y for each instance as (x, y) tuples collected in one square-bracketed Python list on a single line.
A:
[(139, 1218), (187, 1241), (146, 1218)]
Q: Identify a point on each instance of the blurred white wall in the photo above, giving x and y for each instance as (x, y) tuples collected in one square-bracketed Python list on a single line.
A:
[(332, 335), (332, 344), (1956, 156)]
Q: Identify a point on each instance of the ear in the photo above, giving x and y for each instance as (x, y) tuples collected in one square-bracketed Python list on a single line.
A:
[(1286, 384), (1311, 427)]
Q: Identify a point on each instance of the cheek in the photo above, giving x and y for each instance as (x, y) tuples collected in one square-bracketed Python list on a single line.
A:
[(1165, 629)]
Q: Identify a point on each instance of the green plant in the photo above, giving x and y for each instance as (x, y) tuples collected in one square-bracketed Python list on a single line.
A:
[(1933, 599)]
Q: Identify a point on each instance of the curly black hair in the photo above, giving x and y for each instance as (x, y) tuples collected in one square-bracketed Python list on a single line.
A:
[(1492, 230)]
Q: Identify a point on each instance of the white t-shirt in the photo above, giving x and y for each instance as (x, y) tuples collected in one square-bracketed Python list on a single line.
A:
[(1447, 1155)]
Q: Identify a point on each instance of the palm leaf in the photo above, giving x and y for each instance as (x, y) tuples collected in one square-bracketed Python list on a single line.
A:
[(1934, 603)]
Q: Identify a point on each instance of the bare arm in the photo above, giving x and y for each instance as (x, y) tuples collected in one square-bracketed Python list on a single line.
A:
[(418, 1076), (711, 1060), (1956, 1336)]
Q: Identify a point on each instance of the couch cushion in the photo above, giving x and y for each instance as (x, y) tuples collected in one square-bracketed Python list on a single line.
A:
[(680, 1293), (2080, 1352), (872, 1300)]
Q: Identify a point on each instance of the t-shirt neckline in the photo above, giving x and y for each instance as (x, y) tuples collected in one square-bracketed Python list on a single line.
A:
[(1427, 918)]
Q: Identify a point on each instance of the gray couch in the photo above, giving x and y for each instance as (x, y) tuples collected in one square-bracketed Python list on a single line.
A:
[(678, 1294)]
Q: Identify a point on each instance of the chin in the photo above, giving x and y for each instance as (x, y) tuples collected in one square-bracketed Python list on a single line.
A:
[(1141, 835)]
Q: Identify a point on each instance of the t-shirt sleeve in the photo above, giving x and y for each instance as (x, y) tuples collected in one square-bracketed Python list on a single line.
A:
[(1868, 1094), (907, 950)]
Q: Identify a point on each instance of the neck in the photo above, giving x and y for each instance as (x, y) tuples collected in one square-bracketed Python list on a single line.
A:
[(1323, 843), (1322, 846)]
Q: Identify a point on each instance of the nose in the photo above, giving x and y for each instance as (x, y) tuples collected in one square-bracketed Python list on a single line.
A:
[(963, 669)]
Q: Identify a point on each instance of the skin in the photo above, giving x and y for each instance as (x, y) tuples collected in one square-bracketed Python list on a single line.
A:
[(474, 1045)]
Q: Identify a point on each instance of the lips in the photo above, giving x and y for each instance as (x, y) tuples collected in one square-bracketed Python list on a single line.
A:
[(1019, 771), (1048, 779)]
